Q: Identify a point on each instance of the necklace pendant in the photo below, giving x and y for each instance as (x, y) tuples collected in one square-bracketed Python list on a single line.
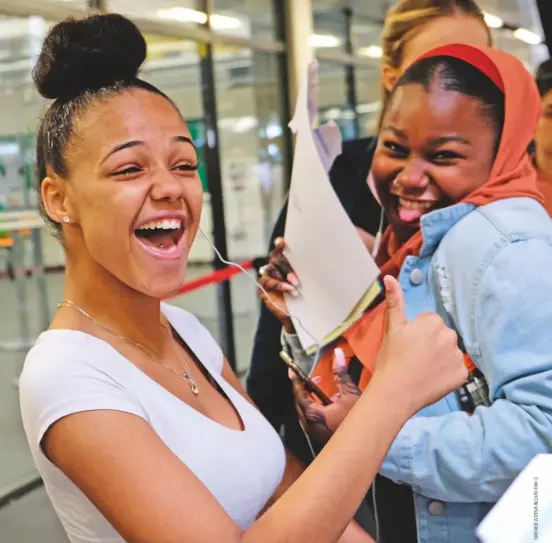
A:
[(194, 387), (191, 383)]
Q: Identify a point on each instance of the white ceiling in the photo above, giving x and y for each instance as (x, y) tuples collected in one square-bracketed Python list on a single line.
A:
[(329, 19), (522, 12), (174, 65)]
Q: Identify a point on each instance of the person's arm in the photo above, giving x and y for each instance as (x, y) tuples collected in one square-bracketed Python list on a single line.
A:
[(149, 495), (354, 533), (461, 458), (267, 381), (298, 354), (294, 467)]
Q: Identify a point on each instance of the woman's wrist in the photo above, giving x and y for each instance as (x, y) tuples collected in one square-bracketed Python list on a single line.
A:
[(383, 385), (288, 326)]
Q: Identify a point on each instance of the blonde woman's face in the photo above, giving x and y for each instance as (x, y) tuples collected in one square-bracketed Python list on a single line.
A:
[(458, 28)]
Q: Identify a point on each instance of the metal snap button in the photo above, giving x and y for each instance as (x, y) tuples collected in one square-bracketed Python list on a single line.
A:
[(416, 276), (436, 509)]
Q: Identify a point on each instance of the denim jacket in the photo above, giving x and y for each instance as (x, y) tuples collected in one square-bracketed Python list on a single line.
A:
[(488, 272)]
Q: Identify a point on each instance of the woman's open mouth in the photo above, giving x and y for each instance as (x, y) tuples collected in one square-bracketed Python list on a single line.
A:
[(162, 237), (411, 211)]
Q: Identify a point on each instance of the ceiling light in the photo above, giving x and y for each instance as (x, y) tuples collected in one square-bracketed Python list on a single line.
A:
[(527, 36), (373, 107), (183, 15), (323, 40), (273, 130), (223, 22), (493, 21), (244, 124), (37, 27), (332, 114), (187, 15), (169, 47), (372, 51)]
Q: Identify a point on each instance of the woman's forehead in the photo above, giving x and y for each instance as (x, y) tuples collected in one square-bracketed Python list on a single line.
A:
[(459, 28), (131, 113), (434, 109)]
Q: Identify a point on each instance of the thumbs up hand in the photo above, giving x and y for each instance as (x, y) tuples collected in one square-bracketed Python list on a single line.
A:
[(421, 359), (419, 362)]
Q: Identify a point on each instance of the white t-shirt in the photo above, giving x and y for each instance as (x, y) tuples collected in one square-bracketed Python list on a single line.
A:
[(69, 371)]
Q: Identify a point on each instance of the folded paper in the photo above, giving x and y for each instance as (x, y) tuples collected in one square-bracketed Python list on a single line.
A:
[(337, 274)]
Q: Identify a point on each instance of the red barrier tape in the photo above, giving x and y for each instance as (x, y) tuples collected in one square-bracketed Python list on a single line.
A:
[(215, 277)]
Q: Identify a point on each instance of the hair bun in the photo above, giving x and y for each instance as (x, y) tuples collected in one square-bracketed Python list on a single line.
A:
[(88, 54)]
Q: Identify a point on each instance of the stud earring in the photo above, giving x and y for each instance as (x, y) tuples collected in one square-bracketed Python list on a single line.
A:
[(66, 219)]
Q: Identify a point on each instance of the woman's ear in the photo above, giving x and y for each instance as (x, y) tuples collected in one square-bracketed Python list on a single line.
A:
[(389, 77), (54, 197)]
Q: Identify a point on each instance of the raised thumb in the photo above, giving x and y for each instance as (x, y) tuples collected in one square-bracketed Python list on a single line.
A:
[(394, 299)]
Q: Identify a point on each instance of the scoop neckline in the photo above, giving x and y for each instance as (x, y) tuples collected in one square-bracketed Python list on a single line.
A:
[(222, 382)]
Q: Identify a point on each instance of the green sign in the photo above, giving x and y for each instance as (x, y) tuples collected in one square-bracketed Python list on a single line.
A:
[(17, 163), (197, 131)]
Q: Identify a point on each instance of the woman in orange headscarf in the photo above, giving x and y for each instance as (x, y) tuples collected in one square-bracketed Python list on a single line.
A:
[(469, 240)]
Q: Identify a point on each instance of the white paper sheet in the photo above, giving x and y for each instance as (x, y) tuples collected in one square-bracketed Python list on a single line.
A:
[(322, 245), (524, 513)]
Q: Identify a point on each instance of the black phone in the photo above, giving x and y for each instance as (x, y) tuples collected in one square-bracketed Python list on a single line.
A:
[(308, 383)]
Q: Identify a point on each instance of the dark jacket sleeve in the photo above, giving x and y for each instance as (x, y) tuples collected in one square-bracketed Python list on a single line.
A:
[(267, 381)]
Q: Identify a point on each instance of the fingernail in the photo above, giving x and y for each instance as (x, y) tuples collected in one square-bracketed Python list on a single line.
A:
[(292, 291), (292, 278), (291, 375), (339, 358), (316, 380)]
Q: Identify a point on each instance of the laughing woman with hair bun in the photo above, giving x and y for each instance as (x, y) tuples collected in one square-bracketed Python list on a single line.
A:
[(139, 428)]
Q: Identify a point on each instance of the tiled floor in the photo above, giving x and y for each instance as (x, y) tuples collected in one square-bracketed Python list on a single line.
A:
[(31, 518)]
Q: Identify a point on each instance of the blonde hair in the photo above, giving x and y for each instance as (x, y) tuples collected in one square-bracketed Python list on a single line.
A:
[(406, 19)]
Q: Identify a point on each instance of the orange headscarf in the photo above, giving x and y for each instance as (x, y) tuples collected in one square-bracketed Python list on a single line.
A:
[(512, 176)]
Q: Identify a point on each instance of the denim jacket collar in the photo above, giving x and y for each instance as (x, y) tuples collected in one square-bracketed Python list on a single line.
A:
[(436, 224)]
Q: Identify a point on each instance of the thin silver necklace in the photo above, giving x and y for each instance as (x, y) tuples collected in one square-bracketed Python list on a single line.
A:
[(185, 374)]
